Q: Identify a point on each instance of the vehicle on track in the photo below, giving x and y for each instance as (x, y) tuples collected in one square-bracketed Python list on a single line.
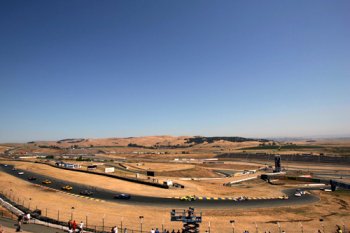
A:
[(122, 196), (32, 178), (5, 165), (14, 169), (242, 198), (20, 173), (86, 192), (299, 193), (188, 198), (326, 190), (47, 182), (67, 188)]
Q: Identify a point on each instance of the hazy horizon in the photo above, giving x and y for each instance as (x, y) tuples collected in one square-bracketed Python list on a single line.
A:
[(71, 69), (320, 137)]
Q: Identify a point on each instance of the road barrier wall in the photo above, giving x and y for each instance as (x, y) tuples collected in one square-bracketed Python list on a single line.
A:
[(112, 176), (287, 157)]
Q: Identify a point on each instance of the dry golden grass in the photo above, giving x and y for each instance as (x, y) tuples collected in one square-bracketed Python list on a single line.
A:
[(200, 188), (4, 148), (333, 208), (159, 167)]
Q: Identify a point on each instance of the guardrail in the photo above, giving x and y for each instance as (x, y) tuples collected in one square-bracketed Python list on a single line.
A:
[(37, 218), (164, 186)]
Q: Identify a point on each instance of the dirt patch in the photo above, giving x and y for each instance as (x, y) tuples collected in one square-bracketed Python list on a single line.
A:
[(113, 213)]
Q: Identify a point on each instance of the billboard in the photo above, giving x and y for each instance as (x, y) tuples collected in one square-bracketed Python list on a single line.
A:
[(109, 169), (150, 173)]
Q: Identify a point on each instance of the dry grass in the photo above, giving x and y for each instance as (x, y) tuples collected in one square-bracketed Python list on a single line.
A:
[(200, 188), (334, 209), (159, 167)]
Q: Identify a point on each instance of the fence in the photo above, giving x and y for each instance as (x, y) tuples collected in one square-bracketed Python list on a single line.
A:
[(17, 205), (287, 157)]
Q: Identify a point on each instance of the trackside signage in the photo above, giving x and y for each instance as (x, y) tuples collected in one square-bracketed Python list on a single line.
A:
[(109, 169)]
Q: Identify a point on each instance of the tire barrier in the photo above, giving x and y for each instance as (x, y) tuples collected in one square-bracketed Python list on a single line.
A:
[(235, 198)]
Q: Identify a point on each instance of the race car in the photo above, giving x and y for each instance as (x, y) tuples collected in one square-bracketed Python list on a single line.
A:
[(122, 196), (86, 192), (67, 188), (46, 182), (20, 173), (299, 193), (302, 192), (188, 198), (32, 178), (242, 198)]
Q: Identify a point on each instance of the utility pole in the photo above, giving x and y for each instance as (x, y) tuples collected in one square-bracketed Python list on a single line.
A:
[(233, 225), (141, 221)]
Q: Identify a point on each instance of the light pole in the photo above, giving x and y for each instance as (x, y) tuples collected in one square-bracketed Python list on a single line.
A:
[(321, 220), (141, 221), (103, 222), (256, 228), (209, 226), (279, 227), (71, 213), (301, 227), (233, 225), (163, 225)]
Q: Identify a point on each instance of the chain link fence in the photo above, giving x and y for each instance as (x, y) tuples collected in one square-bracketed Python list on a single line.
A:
[(58, 218)]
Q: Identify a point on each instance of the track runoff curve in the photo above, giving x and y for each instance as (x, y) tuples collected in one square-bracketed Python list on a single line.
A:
[(100, 194)]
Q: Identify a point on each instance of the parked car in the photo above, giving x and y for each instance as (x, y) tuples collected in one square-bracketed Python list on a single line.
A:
[(47, 182), (188, 198), (86, 192), (67, 188), (122, 196)]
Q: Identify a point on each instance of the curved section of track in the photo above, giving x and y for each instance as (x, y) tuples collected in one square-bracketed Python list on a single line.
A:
[(107, 195)]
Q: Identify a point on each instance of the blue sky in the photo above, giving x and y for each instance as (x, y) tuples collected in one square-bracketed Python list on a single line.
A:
[(135, 68)]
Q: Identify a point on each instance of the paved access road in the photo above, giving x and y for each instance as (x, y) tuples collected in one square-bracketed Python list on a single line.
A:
[(28, 227), (100, 194)]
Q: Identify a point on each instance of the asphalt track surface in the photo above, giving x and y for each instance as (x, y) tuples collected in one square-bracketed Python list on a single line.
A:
[(102, 195)]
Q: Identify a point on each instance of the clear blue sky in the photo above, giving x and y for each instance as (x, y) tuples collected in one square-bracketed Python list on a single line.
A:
[(133, 68)]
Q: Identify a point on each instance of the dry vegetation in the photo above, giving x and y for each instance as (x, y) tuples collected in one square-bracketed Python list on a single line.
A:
[(333, 208), (169, 147), (200, 188)]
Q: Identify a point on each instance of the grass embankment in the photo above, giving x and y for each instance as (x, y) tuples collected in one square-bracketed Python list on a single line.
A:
[(283, 147)]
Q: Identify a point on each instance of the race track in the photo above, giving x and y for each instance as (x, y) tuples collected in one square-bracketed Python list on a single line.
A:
[(108, 195)]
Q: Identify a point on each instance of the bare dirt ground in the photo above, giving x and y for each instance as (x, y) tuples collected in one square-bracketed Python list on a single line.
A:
[(333, 208), (199, 188), (233, 166), (159, 167), (3, 149)]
